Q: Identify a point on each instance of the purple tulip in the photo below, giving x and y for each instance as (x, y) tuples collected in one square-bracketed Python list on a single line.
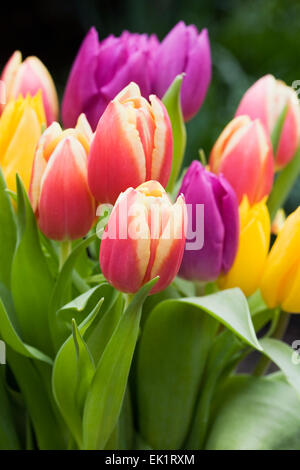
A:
[(102, 69), (184, 50), (220, 229)]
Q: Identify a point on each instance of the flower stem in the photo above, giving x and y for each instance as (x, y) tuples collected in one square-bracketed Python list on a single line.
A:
[(264, 362), (64, 251)]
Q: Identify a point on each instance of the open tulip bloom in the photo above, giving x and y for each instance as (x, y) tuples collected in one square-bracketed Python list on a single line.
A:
[(132, 288)]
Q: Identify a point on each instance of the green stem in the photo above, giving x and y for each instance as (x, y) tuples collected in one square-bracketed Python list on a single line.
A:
[(79, 283), (264, 362), (64, 251), (283, 184)]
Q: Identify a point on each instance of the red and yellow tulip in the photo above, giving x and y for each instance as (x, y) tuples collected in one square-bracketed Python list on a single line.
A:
[(144, 238), (133, 143), (59, 191)]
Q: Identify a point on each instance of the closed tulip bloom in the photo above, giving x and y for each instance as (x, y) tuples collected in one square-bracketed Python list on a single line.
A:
[(20, 129), (243, 154), (281, 280), (266, 100), (220, 224), (133, 143), (30, 76), (102, 69), (59, 191), (144, 238), (186, 50), (249, 263)]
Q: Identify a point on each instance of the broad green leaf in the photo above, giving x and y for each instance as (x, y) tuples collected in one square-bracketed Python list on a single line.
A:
[(85, 367), (64, 379), (61, 290), (11, 337), (171, 101), (283, 356), (104, 401), (256, 303), (47, 428), (8, 233), (276, 134), (31, 281), (229, 306), (125, 424), (8, 435), (283, 184), (170, 361), (185, 288), (254, 413)]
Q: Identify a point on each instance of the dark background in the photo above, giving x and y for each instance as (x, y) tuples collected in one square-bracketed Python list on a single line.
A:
[(249, 38)]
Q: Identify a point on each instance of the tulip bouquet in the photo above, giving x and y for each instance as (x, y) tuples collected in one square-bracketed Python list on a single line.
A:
[(131, 288)]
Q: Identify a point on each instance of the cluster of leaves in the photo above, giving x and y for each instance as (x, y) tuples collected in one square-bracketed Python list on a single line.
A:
[(90, 368)]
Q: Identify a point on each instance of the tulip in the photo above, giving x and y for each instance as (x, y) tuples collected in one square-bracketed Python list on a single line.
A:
[(144, 238), (20, 129), (254, 241), (266, 100), (59, 191), (102, 69), (243, 154), (220, 224), (280, 284), (30, 76), (133, 143), (184, 50)]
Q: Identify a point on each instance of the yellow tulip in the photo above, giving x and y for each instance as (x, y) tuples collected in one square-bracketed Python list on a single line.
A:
[(20, 129), (254, 241), (281, 280)]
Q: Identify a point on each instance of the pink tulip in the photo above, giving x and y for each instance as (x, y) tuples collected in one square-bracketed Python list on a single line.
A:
[(144, 238), (59, 191), (21, 78), (133, 143), (243, 154), (266, 100)]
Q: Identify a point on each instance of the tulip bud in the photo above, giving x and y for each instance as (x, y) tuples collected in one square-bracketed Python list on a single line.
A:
[(133, 143), (243, 154), (266, 100), (59, 191), (184, 50), (20, 129), (103, 69), (280, 284), (220, 224), (30, 76), (254, 241), (144, 238)]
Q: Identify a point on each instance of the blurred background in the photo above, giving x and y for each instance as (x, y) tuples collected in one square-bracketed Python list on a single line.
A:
[(249, 38)]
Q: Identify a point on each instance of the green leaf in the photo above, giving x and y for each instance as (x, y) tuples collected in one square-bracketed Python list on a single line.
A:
[(47, 428), (171, 101), (31, 282), (255, 414), (64, 379), (8, 435), (276, 134), (11, 337), (61, 289), (85, 367), (229, 306), (283, 184), (282, 355), (171, 357), (8, 233), (104, 401)]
